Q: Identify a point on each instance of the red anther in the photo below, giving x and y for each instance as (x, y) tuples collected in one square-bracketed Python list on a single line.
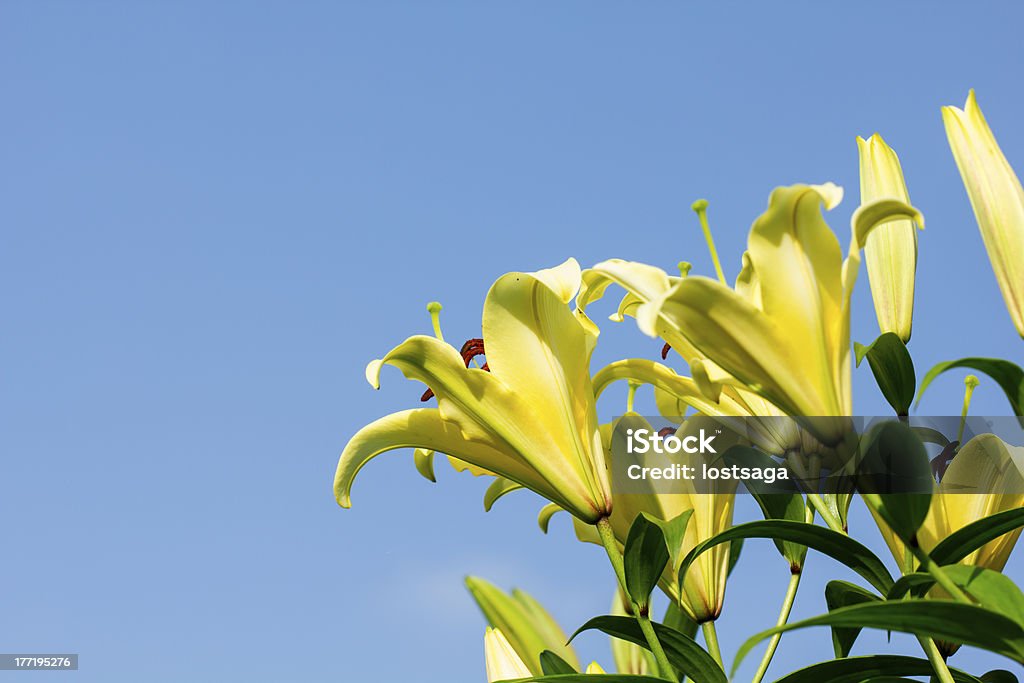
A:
[(942, 461), (666, 431), (470, 350), (664, 351)]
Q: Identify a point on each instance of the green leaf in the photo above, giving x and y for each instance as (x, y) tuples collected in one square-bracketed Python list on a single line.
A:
[(840, 594), (644, 559), (990, 588), (832, 543), (778, 500), (590, 678), (893, 369), (683, 652), (872, 668), (498, 488), (967, 539), (675, 533), (1008, 376), (929, 435), (550, 663), (999, 676), (894, 465), (679, 620), (941, 619)]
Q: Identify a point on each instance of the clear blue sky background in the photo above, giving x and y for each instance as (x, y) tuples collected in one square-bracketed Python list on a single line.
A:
[(214, 214)]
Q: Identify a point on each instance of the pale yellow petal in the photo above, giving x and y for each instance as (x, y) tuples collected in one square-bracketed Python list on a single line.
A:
[(500, 659), (996, 196), (890, 250), (541, 352)]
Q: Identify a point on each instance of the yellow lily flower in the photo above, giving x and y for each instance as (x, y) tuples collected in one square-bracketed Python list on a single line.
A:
[(709, 390), (531, 418), (891, 249), (500, 659), (985, 477), (996, 196), (788, 338), (594, 668), (703, 590)]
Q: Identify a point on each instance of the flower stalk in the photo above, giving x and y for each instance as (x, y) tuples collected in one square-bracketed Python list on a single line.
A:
[(604, 530)]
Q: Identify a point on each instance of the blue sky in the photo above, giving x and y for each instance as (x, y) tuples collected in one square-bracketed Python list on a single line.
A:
[(215, 214)]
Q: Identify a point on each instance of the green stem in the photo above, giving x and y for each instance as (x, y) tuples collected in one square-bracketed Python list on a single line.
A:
[(925, 562), (940, 576), (711, 640), (787, 607), (936, 660), (604, 530)]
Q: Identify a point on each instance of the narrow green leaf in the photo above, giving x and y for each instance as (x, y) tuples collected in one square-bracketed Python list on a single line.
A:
[(894, 465), (683, 652), (967, 539), (832, 543), (675, 532), (550, 664), (644, 559), (1008, 376), (999, 676), (872, 668), (991, 589), (679, 620), (840, 594), (778, 500), (893, 369), (941, 619), (498, 488), (590, 678)]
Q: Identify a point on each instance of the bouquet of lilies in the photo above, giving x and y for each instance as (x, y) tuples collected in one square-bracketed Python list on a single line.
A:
[(768, 362)]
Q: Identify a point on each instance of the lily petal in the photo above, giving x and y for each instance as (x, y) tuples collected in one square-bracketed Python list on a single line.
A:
[(996, 196), (541, 352), (993, 474), (501, 660), (418, 428), (891, 250)]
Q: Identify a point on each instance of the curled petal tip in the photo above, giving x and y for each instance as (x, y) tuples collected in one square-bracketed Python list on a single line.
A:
[(373, 372)]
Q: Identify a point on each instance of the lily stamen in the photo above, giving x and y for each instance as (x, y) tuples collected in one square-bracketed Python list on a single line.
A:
[(470, 350), (434, 309), (701, 208), (970, 383)]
